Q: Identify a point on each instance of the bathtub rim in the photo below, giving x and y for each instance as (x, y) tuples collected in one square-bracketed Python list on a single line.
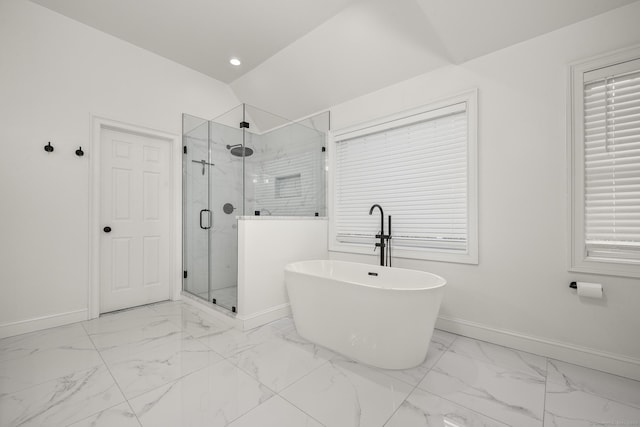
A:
[(442, 281)]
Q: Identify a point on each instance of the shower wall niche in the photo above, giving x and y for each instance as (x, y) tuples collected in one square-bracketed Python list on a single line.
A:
[(244, 164)]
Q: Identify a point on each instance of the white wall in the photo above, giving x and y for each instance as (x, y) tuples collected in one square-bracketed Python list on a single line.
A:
[(521, 283), (55, 73), (266, 245)]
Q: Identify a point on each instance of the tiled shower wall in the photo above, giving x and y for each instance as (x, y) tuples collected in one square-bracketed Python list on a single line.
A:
[(287, 175)]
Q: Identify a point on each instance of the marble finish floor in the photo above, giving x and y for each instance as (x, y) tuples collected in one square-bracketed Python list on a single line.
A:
[(170, 364)]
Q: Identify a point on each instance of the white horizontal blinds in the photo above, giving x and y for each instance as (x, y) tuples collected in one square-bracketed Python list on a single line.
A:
[(417, 172), (612, 164)]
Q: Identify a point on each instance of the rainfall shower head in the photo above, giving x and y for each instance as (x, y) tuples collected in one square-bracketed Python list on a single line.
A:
[(239, 151)]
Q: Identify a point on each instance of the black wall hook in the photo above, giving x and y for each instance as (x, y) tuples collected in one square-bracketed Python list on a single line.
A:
[(79, 152), (48, 148)]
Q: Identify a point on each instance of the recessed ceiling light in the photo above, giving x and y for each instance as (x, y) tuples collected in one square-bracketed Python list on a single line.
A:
[(235, 61)]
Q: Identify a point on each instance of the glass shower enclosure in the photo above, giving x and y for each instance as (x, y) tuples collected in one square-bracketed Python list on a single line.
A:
[(243, 164)]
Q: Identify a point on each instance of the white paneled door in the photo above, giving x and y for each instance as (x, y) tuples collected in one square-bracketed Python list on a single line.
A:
[(135, 220)]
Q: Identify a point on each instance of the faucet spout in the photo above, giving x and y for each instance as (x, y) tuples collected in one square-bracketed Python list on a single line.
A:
[(376, 206), (381, 235)]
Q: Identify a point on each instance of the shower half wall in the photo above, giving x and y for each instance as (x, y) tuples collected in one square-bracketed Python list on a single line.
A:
[(245, 165)]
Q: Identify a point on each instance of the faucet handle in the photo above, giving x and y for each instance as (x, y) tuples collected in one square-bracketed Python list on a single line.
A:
[(376, 245)]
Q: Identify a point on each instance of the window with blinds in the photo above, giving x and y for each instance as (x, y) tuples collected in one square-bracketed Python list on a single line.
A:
[(606, 166), (612, 162), (417, 168)]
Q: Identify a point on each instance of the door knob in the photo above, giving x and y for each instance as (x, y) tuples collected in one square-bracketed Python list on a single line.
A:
[(107, 229)]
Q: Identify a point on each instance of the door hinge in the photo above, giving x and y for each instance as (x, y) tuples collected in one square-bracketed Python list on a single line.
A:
[(184, 149), (184, 274)]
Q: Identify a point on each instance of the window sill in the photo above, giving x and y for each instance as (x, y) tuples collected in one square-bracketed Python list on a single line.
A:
[(417, 254), (606, 268)]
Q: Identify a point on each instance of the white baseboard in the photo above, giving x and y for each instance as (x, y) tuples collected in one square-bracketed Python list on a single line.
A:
[(591, 358), (265, 316), (44, 322)]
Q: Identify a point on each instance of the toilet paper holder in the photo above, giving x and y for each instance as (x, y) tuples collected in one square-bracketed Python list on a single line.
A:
[(573, 285), (588, 290)]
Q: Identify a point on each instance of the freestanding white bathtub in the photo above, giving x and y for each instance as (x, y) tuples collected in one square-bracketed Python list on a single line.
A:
[(381, 316)]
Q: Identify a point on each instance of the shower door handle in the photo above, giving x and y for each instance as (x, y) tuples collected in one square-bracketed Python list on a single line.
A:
[(208, 219)]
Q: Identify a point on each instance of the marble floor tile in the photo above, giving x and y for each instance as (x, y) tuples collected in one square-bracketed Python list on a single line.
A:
[(513, 397), (422, 409), (284, 325), (47, 363), (132, 327), (504, 357), (166, 307), (34, 342), (162, 361), (172, 309), (233, 341), (213, 396), (286, 328), (575, 408), (278, 363), (343, 393), (118, 416), (167, 359), (438, 346), (114, 321), (61, 401), (190, 319), (443, 338), (275, 412), (565, 377)]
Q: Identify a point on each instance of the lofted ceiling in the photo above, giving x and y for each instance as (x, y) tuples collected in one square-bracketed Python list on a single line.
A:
[(302, 56)]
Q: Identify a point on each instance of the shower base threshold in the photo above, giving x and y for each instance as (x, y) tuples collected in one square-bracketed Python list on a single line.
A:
[(243, 322), (224, 314), (224, 297)]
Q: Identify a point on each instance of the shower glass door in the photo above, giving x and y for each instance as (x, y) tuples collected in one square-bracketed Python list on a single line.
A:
[(212, 198), (226, 203), (197, 217)]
